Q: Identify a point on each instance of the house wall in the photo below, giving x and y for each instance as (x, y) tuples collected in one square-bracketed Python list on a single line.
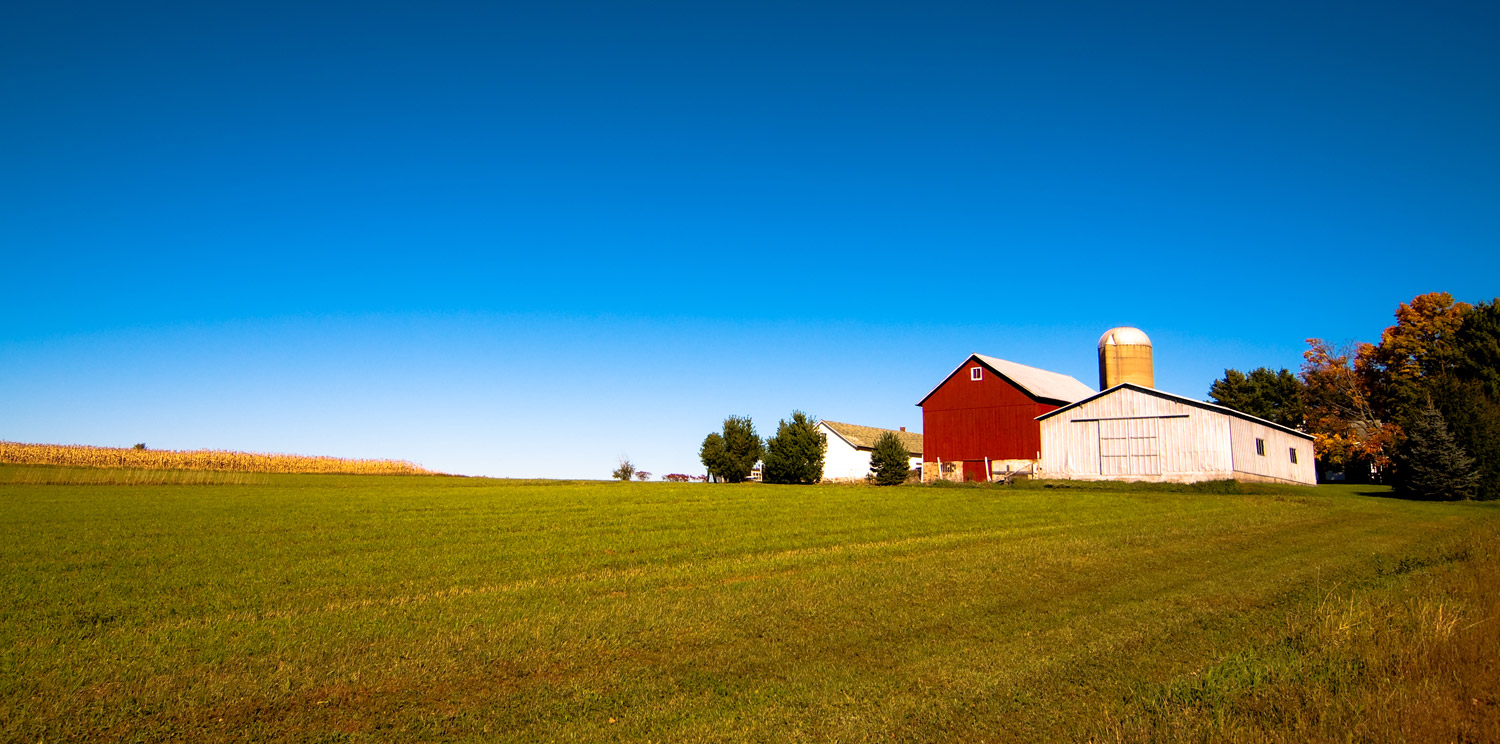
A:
[(843, 461), (971, 420)]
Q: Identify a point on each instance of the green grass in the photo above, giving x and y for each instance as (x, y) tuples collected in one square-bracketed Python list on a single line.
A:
[(387, 608)]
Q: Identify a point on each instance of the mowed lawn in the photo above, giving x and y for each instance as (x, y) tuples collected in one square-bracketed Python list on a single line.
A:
[(395, 608)]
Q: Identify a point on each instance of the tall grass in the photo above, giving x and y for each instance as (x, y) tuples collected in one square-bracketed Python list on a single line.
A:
[(1411, 655), (73, 455)]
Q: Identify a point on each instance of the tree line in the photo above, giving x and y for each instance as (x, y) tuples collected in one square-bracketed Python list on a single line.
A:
[(794, 455), (1420, 409)]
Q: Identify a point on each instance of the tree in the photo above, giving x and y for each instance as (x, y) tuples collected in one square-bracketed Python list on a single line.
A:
[(1273, 396), (1430, 465), (625, 470), (795, 454), (1473, 419), (1345, 429), (731, 455), (642, 475), (890, 460), (1478, 342), (1420, 347)]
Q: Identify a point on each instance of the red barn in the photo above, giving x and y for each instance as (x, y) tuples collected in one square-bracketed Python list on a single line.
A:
[(984, 414)]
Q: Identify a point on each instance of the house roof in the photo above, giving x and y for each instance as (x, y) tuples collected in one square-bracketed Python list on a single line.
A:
[(864, 437), (1180, 399), (1038, 383)]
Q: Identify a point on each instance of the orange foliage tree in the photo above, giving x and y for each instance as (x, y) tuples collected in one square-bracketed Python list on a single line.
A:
[(1340, 414), (1420, 348)]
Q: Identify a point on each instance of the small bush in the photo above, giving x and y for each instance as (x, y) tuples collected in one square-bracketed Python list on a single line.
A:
[(625, 471)]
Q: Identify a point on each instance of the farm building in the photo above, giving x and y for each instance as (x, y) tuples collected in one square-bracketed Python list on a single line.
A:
[(849, 448), (1133, 432), (981, 419)]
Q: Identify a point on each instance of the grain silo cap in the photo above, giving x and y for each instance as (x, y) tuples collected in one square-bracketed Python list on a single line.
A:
[(1124, 336)]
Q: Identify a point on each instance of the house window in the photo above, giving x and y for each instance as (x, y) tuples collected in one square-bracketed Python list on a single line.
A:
[(976, 373), (1294, 455), (1260, 447)]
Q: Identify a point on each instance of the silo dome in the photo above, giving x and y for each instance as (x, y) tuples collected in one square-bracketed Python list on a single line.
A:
[(1125, 356)]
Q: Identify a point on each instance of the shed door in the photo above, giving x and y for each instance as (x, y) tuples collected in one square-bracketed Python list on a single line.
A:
[(1130, 447)]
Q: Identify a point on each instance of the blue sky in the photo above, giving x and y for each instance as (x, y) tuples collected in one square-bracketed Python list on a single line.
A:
[(523, 240)]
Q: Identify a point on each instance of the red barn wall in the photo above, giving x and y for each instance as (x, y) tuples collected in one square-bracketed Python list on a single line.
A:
[(968, 419)]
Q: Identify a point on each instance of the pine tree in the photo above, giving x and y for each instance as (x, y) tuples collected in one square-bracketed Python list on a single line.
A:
[(890, 461), (1430, 464), (795, 454), (1472, 416)]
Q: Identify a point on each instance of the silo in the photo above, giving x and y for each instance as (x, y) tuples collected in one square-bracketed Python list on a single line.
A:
[(1125, 356)]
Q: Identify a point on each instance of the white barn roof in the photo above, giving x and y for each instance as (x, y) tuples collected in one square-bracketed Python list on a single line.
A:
[(1038, 383)]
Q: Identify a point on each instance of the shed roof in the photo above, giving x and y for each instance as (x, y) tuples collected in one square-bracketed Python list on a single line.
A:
[(864, 437), (1180, 399), (1038, 383)]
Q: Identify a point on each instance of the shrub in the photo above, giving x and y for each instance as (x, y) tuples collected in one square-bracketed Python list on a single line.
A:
[(625, 470)]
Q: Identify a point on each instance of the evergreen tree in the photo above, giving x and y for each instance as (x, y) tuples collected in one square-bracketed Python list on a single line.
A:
[(1473, 419), (795, 454), (890, 461), (731, 456), (1273, 396), (1478, 341), (1430, 464)]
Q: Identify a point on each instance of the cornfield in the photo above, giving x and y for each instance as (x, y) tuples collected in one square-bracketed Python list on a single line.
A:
[(73, 455)]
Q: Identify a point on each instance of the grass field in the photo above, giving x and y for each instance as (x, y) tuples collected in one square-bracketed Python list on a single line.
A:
[(394, 608)]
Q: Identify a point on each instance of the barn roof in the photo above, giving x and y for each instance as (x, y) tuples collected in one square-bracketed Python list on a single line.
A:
[(1180, 399), (1038, 383), (864, 437)]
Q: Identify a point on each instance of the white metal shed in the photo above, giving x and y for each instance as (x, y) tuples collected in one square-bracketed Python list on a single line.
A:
[(1131, 432)]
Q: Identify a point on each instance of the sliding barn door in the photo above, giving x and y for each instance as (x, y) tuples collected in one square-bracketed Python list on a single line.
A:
[(1130, 446)]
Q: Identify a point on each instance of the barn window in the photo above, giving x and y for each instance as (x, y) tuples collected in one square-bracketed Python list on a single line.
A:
[(1260, 447), (976, 373), (1294, 455)]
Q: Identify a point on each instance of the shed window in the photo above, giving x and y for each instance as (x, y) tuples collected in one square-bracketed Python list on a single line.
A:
[(976, 373), (1294, 455), (1260, 447)]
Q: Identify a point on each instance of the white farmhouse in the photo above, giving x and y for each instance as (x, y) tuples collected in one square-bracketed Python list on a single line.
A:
[(1133, 432), (849, 448)]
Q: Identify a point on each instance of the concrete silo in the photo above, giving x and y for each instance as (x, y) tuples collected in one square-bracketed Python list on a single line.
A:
[(1125, 356)]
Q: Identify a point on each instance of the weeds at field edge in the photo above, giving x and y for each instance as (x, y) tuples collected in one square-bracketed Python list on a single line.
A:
[(1414, 655)]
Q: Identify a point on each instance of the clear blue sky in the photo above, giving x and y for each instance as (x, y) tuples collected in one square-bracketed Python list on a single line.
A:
[(525, 239)]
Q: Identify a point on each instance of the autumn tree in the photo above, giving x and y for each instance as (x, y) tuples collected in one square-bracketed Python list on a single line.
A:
[(1273, 396), (732, 454), (796, 453), (1421, 346), (1340, 416), (890, 462)]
